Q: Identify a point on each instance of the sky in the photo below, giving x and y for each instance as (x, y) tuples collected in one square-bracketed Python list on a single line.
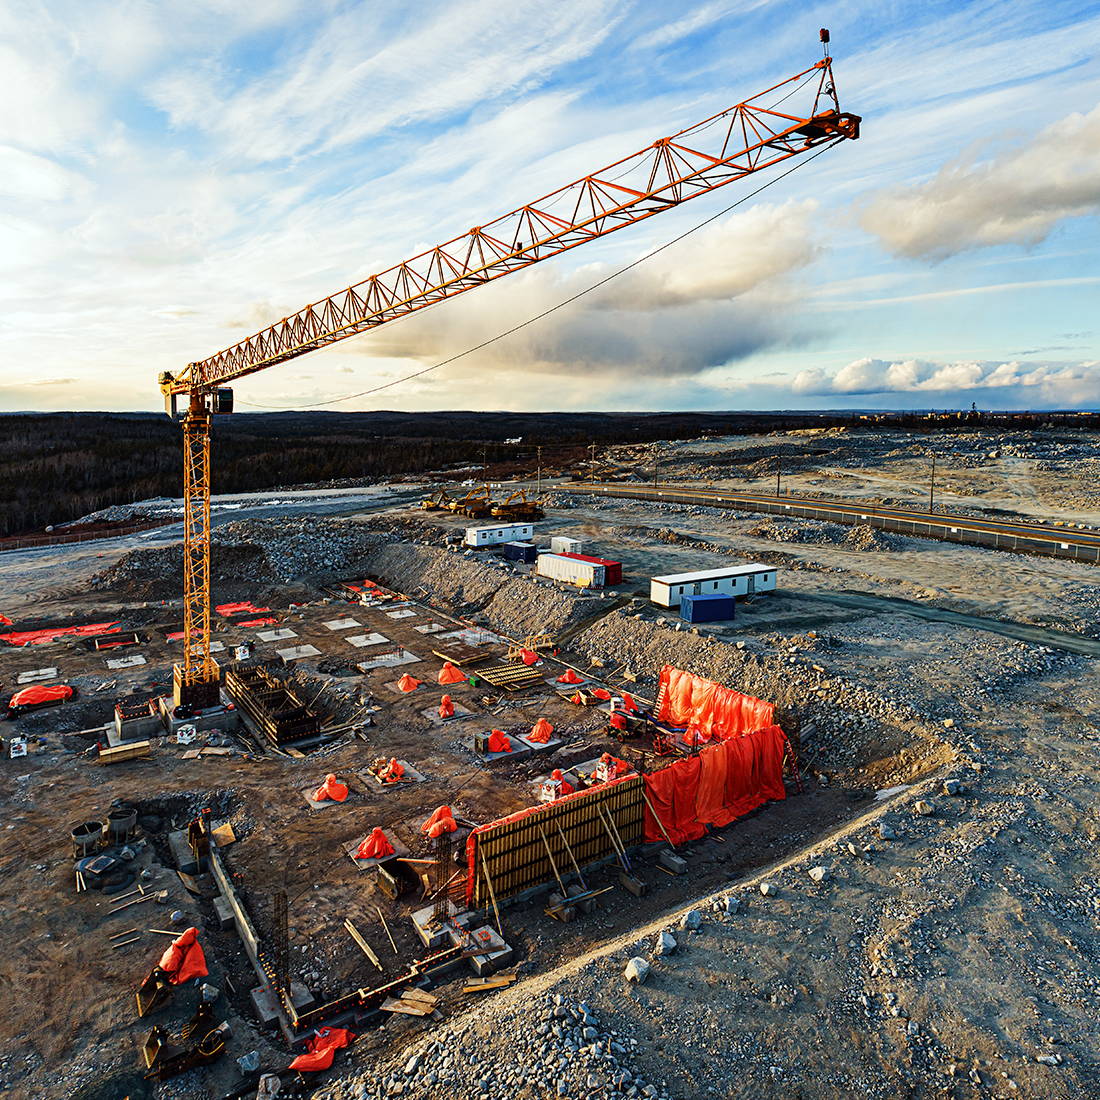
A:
[(176, 176)]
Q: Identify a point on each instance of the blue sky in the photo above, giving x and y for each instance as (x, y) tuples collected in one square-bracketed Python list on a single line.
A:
[(176, 176)]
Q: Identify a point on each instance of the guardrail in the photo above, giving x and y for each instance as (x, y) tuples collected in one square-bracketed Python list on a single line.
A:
[(33, 541), (948, 527)]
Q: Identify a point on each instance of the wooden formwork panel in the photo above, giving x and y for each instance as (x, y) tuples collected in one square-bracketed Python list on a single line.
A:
[(514, 851)]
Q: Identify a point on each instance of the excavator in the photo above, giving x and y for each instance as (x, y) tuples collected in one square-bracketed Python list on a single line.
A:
[(517, 507), (439, 500), (793, 117), (477, 503)]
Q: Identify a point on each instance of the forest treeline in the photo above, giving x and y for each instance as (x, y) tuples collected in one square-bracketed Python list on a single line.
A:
[(57, 467)]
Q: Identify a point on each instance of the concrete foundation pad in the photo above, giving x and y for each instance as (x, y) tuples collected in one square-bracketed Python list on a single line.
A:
[(217, 647), (307, 794), (475, 637), (538, 746), (276, 635), (342, 624), (429, 628), (35, 675), (389, 660), (264, 1002), (399, 851), (411, 776), (401, 613), (362, 641), (181, 852), (497, 952), (132, 661), (433, 713), (431, 933), (297, 652), (519, 752)]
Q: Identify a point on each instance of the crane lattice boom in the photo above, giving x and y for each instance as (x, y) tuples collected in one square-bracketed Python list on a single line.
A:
[(737, 142)]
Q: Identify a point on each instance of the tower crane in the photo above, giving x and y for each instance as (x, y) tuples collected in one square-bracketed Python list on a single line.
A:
[(751, 136)]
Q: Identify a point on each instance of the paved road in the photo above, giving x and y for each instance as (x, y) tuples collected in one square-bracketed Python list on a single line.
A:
[(1014, 535)]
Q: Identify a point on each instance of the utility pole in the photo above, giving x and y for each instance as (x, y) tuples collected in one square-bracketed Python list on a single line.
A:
[(778, 472), (932, 485), (538, 475), (656, 462)]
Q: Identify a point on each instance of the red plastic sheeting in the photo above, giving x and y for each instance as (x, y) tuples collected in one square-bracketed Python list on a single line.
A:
[(529, 657), (321, 1049), (541, 732), (264, 621), (442, 821), (176, 635), (569, 677), (36, 696), (602, 693), (393, 772), (245, 607), (184, 960), (724, 782), (448, 674), (709, 710), (446, 707), (498, 742), (41, 637), (4, 620), (564, 786), (376, 846), (566, 792), (628, 703), (332, 790)]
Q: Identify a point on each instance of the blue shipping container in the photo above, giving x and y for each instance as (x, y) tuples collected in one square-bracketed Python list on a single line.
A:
[(520, 551), (706, 609)]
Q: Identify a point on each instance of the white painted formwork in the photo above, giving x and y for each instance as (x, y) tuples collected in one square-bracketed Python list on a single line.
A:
[(735, 580), (587, 574), (504, 532)]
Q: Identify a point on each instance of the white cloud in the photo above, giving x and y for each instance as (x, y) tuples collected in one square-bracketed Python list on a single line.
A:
[(1015, 198), (1042, 384)]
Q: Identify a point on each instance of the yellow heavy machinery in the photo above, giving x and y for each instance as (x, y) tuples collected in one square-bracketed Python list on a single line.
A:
[(437, 501), (791, 118), (517, 507), (477, 503)]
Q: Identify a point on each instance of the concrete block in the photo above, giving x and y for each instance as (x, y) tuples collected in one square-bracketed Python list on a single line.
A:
[(342, 624), (224, 912), (276, 635), (363, 641), (35, 675), (634, 885), (672, 862), (265, 1004), (389, 660)]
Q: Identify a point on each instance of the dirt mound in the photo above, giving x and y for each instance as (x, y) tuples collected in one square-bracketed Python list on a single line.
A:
[(515, 605), (865, 537), (156, 573)]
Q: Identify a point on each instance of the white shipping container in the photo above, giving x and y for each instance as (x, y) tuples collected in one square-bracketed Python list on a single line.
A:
[(739, 580), (498, 533), (560, 544), (589, 574)]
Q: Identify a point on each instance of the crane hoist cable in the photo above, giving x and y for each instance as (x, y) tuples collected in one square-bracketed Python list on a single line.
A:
[(746, 138)]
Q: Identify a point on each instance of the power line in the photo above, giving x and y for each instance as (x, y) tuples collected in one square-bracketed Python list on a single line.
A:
[(554, 308)]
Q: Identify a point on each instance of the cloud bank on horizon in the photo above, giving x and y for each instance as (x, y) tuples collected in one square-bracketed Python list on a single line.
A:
[(174, 177)]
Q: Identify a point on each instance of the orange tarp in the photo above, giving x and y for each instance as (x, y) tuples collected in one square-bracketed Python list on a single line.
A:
[(407, 683), (41, 637), (602, 693), (628, 703), (442, 821), (393, 771), (528, 657), (541, 732), (321, 1049), (446, 707), (332, 790), (376, 846), (709, 709), (565, 787), (43, 693), (498, 742), (448, 674), (569, 677), (183, 959)]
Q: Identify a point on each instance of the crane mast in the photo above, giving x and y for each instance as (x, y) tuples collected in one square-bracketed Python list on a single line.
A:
[(744, 139)]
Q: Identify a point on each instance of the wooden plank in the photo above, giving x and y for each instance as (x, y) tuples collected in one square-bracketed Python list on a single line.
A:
[(406, 1008), (136, 750), (497, 981), (223, 835), (363, 945)]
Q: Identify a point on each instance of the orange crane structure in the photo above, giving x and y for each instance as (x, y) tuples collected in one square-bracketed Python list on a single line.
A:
[(744, 139)]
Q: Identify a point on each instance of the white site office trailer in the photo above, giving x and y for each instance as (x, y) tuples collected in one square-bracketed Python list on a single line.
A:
[(584, 574), (498, 533), (562, 544), (736, 580)]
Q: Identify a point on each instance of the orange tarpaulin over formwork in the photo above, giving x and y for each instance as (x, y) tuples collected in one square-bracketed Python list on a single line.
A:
[(541, 732), (448, 674), (376, 846), (245, 607), (332, 790), (569, 677), (711, 711), (442, 821), (321, 1049), (407, 683), (446, 707), (36, 696), (498, 742), (41, 637), (724, 782), (528, 657), (183, 959)]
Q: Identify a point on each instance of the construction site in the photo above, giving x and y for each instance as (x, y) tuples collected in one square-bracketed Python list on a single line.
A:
[(748, 766)]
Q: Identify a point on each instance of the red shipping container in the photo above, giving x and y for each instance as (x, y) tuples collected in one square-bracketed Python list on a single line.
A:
[(613, 570)]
